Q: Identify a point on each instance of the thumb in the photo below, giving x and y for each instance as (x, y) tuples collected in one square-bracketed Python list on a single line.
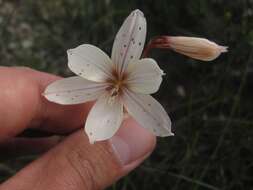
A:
[(75, 164)]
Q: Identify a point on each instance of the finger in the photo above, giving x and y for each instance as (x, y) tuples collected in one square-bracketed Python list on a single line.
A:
[(23, 146), (22, 104), (76, 165)]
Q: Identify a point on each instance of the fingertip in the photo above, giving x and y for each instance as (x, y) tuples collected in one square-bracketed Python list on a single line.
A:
[(24, 105)]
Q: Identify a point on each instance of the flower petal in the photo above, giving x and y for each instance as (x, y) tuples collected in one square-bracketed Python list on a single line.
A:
[(73, 90), (129, 41), (104, 119), (144, 76), (90, 62), (148, 113)]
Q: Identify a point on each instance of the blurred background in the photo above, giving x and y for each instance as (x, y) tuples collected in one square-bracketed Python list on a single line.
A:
[(210, 103)]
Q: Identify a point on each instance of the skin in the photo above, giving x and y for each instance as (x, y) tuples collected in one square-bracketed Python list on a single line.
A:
[(66, 164)]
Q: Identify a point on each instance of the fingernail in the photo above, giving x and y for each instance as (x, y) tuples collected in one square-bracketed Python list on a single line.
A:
[(132, 142)]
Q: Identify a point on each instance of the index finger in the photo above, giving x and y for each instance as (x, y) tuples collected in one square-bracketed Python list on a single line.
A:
[(23, 106)]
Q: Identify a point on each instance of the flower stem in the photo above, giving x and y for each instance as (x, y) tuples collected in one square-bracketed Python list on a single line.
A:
[(160, 42)]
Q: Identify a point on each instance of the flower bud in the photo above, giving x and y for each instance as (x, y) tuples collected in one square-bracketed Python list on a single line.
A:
[(197, 48)]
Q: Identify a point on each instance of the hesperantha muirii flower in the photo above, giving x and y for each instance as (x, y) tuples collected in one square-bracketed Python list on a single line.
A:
[(120, 84)]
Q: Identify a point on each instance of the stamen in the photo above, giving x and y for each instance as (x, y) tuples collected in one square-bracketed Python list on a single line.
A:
[(114, 92)]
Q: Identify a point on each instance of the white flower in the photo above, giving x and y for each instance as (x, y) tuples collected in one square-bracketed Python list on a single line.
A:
[(122, 83)]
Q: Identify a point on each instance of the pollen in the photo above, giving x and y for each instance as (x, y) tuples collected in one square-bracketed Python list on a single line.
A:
[(116, 87)]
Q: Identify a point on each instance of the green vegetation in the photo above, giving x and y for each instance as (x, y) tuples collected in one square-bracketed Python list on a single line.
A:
[(210, 103)]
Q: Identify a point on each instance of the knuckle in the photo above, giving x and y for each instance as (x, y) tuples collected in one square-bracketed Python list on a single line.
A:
[(84, 168)]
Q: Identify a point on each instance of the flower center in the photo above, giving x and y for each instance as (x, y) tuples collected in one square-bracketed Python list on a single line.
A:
[(116, 88), (116, 84)]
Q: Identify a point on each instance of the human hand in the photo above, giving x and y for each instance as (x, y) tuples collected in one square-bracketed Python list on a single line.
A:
[(73, 163)]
